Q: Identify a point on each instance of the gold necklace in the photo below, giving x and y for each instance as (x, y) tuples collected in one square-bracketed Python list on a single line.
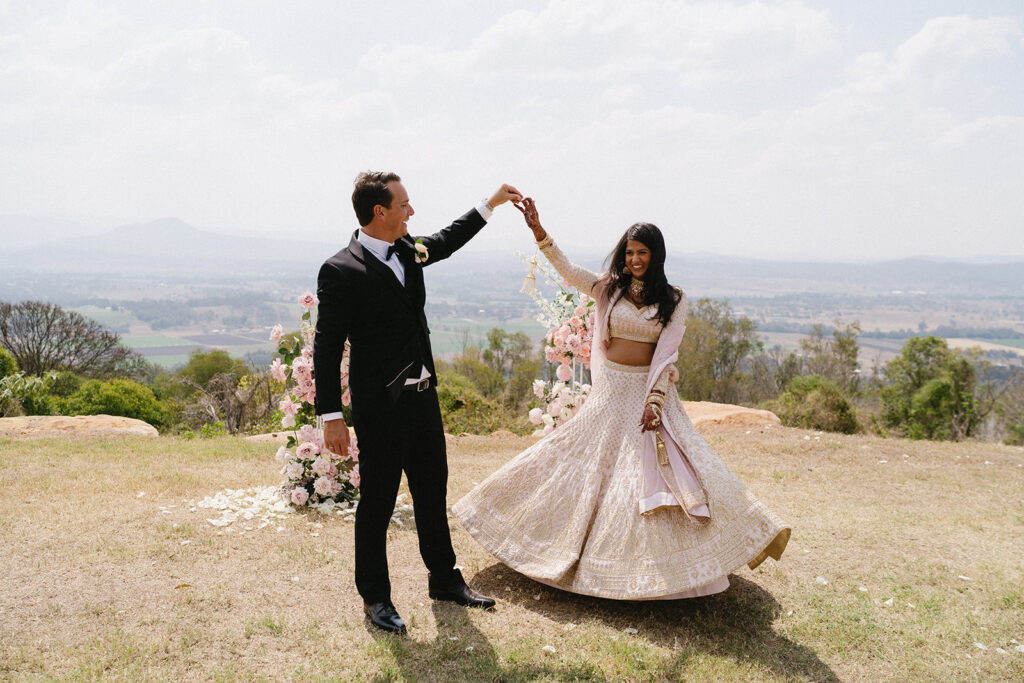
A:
[(637, 288)]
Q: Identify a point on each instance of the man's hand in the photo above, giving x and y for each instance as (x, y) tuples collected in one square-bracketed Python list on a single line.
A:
[(505, 193), (336, 436)]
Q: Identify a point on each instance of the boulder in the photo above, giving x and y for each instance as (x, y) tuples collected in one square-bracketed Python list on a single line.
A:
[(76, 426), (706, 413)]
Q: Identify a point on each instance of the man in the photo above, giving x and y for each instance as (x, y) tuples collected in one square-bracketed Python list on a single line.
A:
[(372, 294)]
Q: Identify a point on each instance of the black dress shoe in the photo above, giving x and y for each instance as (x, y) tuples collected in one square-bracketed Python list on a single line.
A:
[(461, 594), (384, 616)]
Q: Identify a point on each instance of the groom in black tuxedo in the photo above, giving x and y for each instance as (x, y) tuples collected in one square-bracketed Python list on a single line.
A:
[(372, 294)]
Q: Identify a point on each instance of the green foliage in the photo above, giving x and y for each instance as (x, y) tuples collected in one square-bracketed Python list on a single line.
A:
[(834, 358), (204, 365), (1015, 434), (8, 366), (931, 392), (716, 344), (24, 395), (465, 409), (212, 429), (62, 384), (815, 402), (122, 397)]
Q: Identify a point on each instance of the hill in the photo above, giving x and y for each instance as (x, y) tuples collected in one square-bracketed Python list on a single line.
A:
[(904, 564)]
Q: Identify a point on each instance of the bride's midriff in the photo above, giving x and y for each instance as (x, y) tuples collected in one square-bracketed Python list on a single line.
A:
[(629, 352)]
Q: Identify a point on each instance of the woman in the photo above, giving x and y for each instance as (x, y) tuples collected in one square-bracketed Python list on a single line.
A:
[(625, 500)]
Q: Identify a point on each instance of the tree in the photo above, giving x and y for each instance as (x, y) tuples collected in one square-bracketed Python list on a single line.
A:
[(43, 337), (834, 358), (716, 344), (935, 392), (237, 403), (202, 366)]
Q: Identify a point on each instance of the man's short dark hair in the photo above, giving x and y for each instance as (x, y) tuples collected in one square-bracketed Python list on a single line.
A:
[(371, 190)]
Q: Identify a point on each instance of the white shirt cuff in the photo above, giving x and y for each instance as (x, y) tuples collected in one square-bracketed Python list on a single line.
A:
[(485, 211), (332, 416)]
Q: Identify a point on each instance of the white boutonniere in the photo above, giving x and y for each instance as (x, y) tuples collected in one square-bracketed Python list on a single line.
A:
[(421, 252)]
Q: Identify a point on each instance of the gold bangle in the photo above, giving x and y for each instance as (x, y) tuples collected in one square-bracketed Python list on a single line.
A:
[(544, 242)]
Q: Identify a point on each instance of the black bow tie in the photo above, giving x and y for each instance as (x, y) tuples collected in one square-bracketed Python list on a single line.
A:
[(396, 247)]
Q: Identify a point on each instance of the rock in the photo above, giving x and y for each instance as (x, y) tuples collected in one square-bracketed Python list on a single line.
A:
[(705, 413), (77, 426)]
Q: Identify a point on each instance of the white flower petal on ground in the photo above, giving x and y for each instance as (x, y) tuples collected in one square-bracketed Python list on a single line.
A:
[(630, 630), (548, 648), (882, 462), (295, 579), (1019, 648), (789, 613), (140, 494), (862, 589), (1002, 651), (453, 637), (888, 602), (469, 649), (980, 646), (964, 578), (821, 580)]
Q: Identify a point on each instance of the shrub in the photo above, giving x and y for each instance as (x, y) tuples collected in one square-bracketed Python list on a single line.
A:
[(62, 384), (814, 402), (464, 408), (21, 395), (121, 397), (8, 366)]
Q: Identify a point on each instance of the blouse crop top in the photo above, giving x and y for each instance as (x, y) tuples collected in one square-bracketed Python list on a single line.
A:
[(636, 324)]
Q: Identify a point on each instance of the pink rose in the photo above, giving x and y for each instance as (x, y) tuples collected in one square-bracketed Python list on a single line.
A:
[(536, 416), (580, 311), (564, 373), (307, 433), (575, 321), (322, 467), (548, 429), (292, 470), (289, 407), (308, 300), (278, 371), (555, 408), (559, 340), (288, 421), (353, 452), (276, 333), (307, 352), (322, 486), (307, 450), (550, 354), (346, 397), (282, 455), (299, 495), (302, 370), (353, 476)]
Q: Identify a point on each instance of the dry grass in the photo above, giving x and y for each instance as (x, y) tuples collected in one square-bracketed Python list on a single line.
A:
[(91, 575)]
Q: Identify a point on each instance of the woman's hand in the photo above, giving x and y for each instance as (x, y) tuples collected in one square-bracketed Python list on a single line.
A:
[(651, 419), (529, 211)]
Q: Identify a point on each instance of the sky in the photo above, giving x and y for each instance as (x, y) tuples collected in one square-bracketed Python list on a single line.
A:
[(792, 129)]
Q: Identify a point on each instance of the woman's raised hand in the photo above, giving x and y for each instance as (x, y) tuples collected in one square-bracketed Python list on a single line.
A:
[(529, 211)]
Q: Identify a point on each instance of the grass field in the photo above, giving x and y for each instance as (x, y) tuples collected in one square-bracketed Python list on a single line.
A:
[(905, 564)]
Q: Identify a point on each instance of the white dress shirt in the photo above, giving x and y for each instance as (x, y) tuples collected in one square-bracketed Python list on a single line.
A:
[(379, 248)]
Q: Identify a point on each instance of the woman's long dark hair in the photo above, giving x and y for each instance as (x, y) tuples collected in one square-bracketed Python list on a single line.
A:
[(658, 290)]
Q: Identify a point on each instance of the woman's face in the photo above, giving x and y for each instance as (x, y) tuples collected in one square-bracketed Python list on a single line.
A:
[(638, 258)]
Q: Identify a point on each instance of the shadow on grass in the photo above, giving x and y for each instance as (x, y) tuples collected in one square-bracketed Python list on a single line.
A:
[(736, 623), (461, 652)]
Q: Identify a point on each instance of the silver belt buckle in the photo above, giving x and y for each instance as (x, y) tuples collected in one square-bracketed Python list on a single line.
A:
[(423, 384)]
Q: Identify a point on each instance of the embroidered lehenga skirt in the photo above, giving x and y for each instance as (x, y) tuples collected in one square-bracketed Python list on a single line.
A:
[(565, 511)]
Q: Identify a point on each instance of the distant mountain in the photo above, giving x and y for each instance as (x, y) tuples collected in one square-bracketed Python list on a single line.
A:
[(168, 245)]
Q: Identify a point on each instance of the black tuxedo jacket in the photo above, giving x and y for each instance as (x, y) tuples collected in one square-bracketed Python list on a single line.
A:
[(361, 300)]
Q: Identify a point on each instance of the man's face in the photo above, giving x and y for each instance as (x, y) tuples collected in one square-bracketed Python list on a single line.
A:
[(395, 218)]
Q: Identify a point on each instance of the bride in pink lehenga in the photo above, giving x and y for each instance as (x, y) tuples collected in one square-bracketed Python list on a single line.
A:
[(626, 500)]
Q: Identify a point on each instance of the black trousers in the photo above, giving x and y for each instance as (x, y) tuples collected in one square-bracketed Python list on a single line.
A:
[(404, 436)]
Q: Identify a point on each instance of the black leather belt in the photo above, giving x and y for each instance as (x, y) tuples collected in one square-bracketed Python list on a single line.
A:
[(422, 385)]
